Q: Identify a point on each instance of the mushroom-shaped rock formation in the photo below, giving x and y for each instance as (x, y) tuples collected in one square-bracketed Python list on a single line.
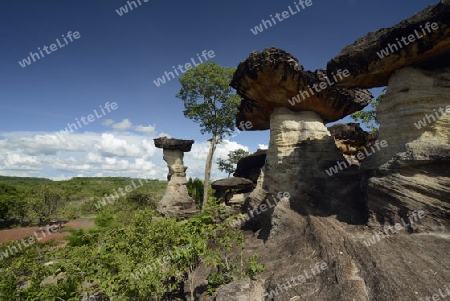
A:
[(351, 139), (300, 149), (273, 78), (249, 167), (176, 200), (421, 41), (221, 186)]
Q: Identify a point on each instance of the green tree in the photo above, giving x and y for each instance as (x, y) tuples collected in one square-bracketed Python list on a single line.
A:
[(195, 189), (229, 165), (8, 196), (47, 202), (211, 102), (369, 116)]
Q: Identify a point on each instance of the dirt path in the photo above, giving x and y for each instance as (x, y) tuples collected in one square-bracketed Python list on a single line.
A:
[(19, 233)]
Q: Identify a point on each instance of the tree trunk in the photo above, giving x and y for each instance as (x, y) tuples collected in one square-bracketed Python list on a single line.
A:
[(212, 148)]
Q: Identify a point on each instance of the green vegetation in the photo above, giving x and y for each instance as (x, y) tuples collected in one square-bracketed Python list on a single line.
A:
[(229, 165), (368, 116), (211, 102), (195, 189), (24, 199), (132, 253)]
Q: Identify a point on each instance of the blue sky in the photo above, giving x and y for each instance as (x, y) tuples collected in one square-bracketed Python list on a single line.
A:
[(117, 58)]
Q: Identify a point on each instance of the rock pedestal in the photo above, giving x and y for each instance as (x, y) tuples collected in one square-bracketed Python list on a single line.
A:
[(176, 200), (413, 172), (301, 149)]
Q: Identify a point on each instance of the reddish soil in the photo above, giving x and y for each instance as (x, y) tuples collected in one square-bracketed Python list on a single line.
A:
[(19, 233)]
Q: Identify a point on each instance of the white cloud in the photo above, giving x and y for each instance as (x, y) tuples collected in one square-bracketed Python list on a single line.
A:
[(93, 158), (162, 134), (37, 154), (107, 122), (263, 146), (195, 159), (112, 146), (122, 126), (145, 129)]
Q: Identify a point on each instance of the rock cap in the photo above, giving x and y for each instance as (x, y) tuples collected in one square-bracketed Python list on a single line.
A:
[(429, 48), (170, 143), (232, 183), (271, 78)]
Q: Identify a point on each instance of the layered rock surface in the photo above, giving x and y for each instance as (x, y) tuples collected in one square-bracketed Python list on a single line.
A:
[(300, 151), (413, 173), (176, 200)]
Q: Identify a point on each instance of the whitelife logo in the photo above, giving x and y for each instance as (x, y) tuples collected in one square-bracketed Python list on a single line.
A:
[(187, 66), (360, 156), (284, 15), (318, 87), (12, 250), (26, 62), (391, 48), (113, 198), (90, 118), (124, 9)]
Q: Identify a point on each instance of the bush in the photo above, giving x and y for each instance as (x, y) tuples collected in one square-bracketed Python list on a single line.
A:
[(195, 190)]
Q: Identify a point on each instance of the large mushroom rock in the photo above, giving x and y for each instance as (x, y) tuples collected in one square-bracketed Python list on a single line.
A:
[(249, 167), (272, 78), (413, 172), (351, 139), (176, 200), (427, 48), (300, 149)]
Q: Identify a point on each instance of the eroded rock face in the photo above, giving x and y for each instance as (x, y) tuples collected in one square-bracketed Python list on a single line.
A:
[(176, 200), (413, 172), (351, 139), (368, 69)]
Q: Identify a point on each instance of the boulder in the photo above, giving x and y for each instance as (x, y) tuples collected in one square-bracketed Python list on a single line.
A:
[(250, 166), (241, 290)]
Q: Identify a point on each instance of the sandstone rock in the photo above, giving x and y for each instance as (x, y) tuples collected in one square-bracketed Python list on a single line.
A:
[(368, 70), (300, 151), (250, 167), (350, 139), (241, 290), (269, 79), (413, 172), (176, 200)]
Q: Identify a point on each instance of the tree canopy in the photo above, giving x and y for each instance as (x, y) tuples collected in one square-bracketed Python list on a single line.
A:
[(229, 165), (211, 102)]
